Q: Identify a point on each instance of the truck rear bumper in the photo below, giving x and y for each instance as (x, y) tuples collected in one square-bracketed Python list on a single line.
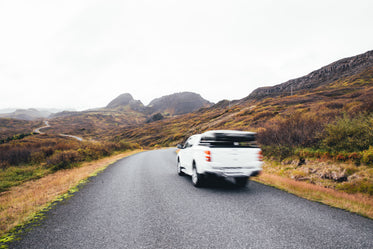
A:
[(234, 171)]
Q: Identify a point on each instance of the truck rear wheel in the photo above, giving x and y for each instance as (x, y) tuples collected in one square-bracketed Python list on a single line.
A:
[(197, 179), (241, 181)]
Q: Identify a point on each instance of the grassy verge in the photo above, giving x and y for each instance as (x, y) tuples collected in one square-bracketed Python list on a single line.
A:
[(357, 203), (16, 175), (21, 203)]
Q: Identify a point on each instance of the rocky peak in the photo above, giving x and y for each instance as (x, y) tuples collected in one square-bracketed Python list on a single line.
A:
[(125, 99), (122, 100), (179, 103)]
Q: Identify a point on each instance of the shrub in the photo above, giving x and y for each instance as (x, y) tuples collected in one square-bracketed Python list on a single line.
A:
[(277, 152), (63, 159), (299, 174), (355, 157), (123, 145), (296, 130), (309, 152), (367, 157), (350, 134), (37, 157), (4, 165), (360, 186), (15, 155)]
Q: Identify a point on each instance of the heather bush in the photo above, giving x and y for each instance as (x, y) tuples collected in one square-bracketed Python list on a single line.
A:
[(37, 157), (4, 165), (348, 134), (123, 145), (312, 153), (277, 152), (367, 157), (358, 186), (281, 136), (296, 130), (63, 159), (15, 155)]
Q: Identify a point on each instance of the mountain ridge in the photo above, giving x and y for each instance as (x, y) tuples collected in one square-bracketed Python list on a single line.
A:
[(325, 75)]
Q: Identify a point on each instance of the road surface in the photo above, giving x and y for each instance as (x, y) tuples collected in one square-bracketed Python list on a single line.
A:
[(140, 202)]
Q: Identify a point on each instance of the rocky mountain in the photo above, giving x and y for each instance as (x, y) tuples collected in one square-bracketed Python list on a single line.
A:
[(126, 99), (26, 114), (173, 104), (178, 103), (121, 113), (333, 72)]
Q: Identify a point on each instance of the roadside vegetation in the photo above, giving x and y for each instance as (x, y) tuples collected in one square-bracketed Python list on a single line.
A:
[(337, 154), (358, 203), (35, 156)]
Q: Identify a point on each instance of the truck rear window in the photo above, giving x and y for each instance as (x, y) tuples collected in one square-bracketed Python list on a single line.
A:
[(244, 140)]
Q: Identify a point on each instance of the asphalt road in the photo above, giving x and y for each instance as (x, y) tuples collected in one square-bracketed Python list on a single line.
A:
[(140, 202)]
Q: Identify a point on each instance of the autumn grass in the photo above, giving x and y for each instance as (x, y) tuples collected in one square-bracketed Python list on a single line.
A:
[(16, 175), (21, 203), (357, 203)]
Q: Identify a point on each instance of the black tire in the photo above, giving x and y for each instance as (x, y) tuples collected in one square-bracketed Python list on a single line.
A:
[(179, 170), (197, 179), (241, 181)]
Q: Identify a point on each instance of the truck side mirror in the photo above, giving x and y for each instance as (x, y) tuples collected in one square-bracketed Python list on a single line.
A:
[(179, 146)]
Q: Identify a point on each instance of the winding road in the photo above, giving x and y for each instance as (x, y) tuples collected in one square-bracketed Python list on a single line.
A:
[(63, 135), (37, 130), (140, 202)]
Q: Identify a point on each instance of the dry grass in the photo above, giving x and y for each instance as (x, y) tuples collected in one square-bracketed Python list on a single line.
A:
[(357, 203), (22, 202)]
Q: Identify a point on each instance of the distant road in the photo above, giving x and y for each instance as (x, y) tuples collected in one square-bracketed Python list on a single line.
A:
[(141, 202), (75, 137), (63, 135), (38, 129)]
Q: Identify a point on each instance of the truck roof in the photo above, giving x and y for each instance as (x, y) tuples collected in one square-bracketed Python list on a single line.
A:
[(228, 132)]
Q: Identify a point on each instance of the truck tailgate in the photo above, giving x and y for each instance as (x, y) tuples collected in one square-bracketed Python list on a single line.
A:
[(235, 157)]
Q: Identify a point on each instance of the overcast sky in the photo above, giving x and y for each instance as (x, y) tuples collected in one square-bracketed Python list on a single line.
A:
[(82, 54)]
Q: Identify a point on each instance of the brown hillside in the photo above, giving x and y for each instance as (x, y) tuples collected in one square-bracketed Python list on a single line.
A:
[(10, 127), (350, 94), (96, 125)]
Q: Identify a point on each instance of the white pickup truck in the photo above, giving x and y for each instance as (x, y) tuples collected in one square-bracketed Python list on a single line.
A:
[(224, 153)]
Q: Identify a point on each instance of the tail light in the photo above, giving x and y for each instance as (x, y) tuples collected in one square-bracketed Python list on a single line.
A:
[(208, 155), (260, 155)]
